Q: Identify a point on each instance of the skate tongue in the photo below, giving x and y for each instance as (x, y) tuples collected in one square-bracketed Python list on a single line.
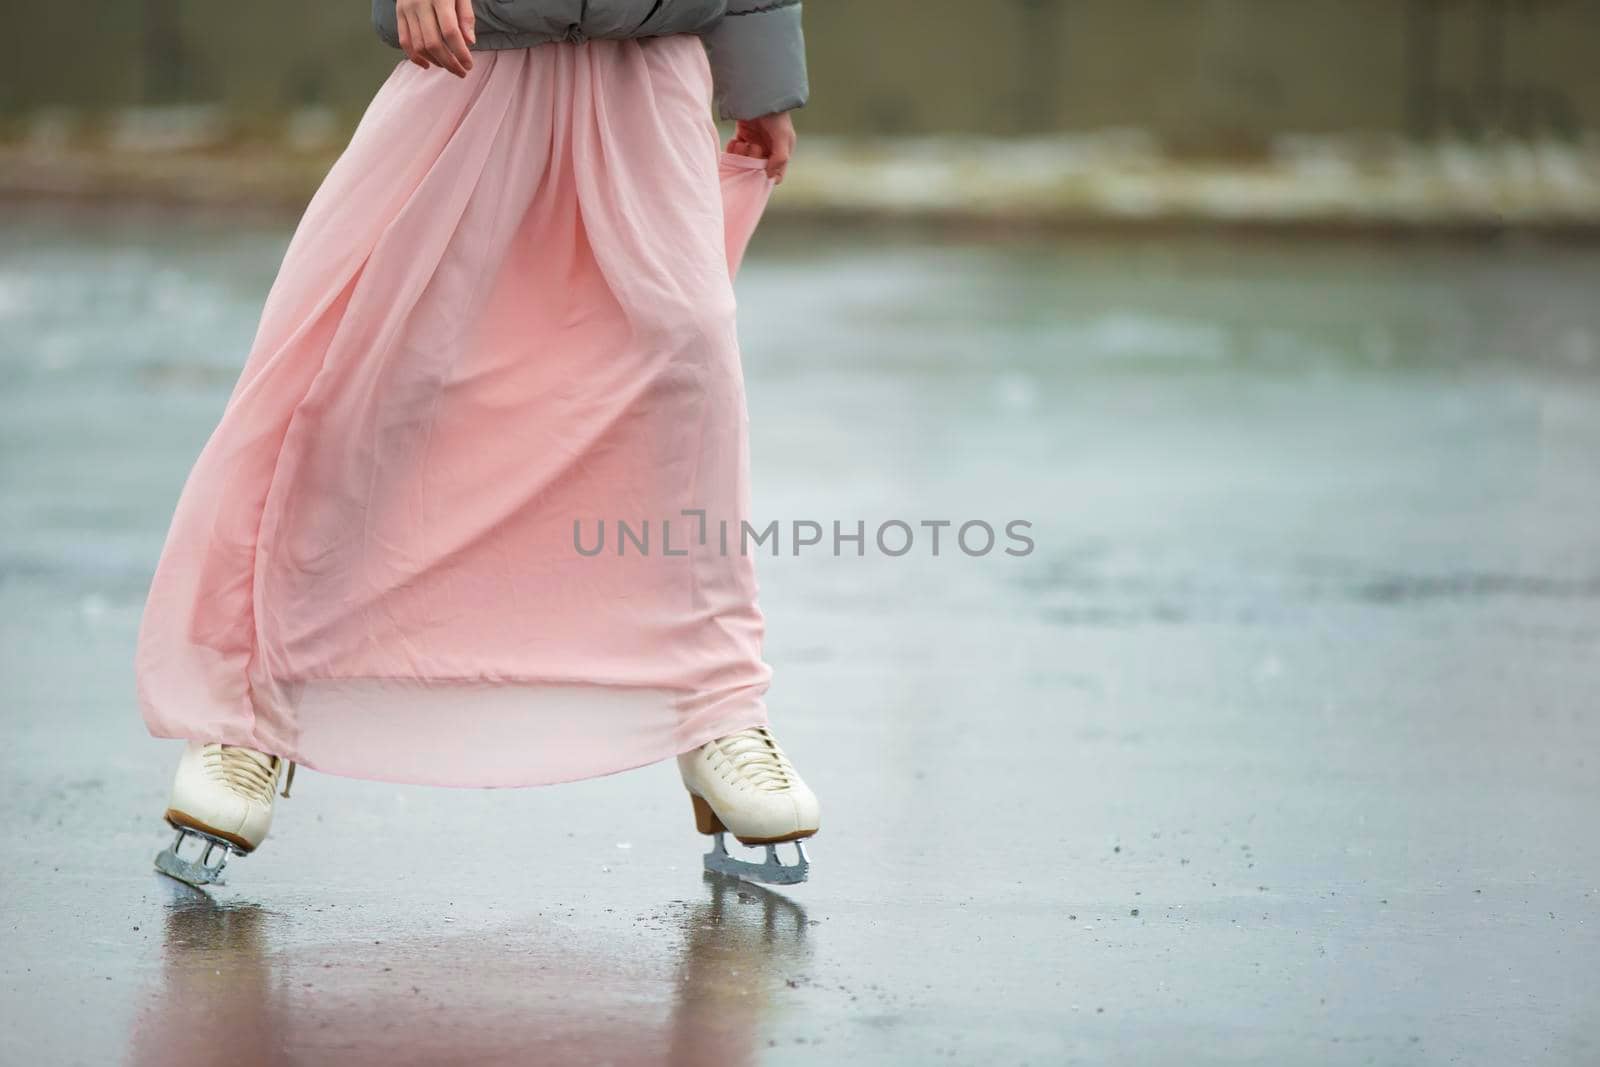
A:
[(757, 758), (261, 758), (247, 772)]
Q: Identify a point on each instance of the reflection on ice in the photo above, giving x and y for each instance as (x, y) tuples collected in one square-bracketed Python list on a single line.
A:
[(240, 982)]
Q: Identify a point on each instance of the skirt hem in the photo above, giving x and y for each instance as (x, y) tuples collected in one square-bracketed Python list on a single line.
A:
[(535, 768)]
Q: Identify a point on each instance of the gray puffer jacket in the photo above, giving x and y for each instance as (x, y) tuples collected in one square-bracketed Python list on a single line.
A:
[(757, 52)]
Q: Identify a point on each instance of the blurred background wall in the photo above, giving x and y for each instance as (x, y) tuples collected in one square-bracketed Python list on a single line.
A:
[(1209, 76)]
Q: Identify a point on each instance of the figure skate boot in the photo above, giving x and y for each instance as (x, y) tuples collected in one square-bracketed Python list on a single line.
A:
[(743, 784), (221, 798)]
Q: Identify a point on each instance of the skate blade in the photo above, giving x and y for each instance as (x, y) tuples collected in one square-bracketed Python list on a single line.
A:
[(200, 871), (770, 871)]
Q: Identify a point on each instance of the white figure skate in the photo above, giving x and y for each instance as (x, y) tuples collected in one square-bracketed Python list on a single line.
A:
[(221, 798), (743, 784)]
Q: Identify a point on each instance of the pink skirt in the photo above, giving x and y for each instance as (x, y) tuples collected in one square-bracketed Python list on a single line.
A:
[(504, 325)]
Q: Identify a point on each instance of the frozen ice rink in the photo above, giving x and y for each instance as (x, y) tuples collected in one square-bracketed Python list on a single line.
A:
[(1280, 747)]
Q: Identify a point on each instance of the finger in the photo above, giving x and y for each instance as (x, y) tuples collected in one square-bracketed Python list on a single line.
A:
[(468, 20), (410, 41), (440, 54), (450, 30), (421, 49), (778, 163), (433, 44), (419, 44), (433, 41)]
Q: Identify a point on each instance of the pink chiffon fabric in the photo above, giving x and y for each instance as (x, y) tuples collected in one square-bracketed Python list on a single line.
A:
[(508, 310)]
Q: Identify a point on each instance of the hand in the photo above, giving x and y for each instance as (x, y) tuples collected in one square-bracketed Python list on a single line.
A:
[(440, 31), (770, 137)]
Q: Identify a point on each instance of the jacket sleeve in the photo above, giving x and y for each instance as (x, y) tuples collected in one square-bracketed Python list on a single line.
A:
[(758, 59)]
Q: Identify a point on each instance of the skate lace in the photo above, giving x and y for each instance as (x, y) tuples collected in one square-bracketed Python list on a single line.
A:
[(253, 775), (755, 757)]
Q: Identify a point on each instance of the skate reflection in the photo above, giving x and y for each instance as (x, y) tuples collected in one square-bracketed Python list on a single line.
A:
[(742, 944), (243, 984), (216, 991)]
